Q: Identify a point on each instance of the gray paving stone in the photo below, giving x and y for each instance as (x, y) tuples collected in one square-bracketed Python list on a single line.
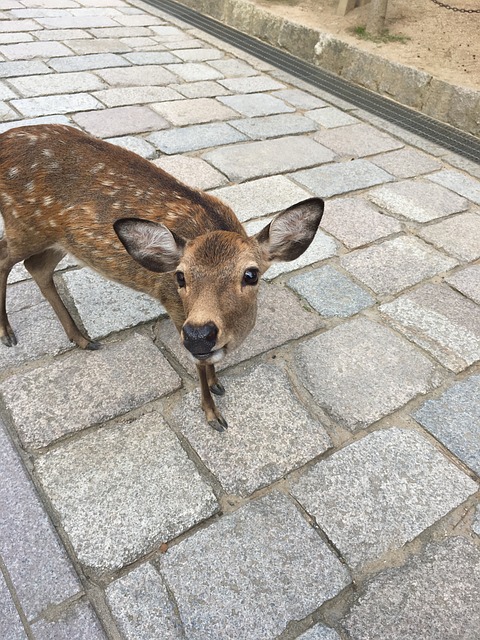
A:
[(140, 466), (356, 222), (273, 126), (92, 61), (476, 522), (233, 68), (398, 485), (395, 264), (331, 117), (117, 121), (459, 236), (15, 37), (319, 632), (62, 34), (22, 296), (455, 181), (150, 57), (300, 99), (30, 50), (194, 111), (99, 386), (195, 137), (79, 622), (141, 607), (137, 20), (138, 145), (11, 626), (136, 95), (276, 308), (267, 157), (6, 93), (406, 163), (192, 171), (454, 419), (198, 55), (119, 32), (330, 292), (31, 121), (417, 200), (361, 371), (362, 140), (261, 197), (23, 68), (256, 104), (264, 557), (35, 559), (140, 75), (433, 595), (105, 306), (467, 281), (104, 45), (205, 89), (439, 320), (252, 84), (342, 177), (194, 71), (270, 432), (77, 22), (58, 104), (37, 85)]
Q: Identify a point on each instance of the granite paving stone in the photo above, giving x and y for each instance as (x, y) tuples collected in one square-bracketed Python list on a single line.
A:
[(459, 183), (433, 595), (267, 157), (393, 265), (360, 371), (139, 75), (356, 222), (99, 385), (105, 306), (141, 606), (63, 34), (18, 25), (467, 281), (398, 485), (136, 144), (35, 559), (10, 623), (476, 521), (168, 31), (6, 93), (79, 622), (91, 61), (261, 197), (454, 419), (439, 320), (362, 140), (136, 95), (117, 121), (142, 20), (300, 99), (31, 50), (330, 292), (233, 68), (264, 557), (77, 22), (319, 632), (256, 104), (417, 200), (270, 432), (194, 71), (276, 308), (459, 236), (6, 113), (150, 57), (104, 45), (195, 137), (341, 177), (22, 296), (192, 171), (194, 111), (273, 126), (15, 37), (198, 55), (331, 117), (23, 68), (251, 84), (32, 121), (406, 163), (37, 85), (64, 103), (123, 490), (119, 32), (204, 89)]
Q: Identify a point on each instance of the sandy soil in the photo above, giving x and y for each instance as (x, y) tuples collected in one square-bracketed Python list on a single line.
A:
[(444, 43)]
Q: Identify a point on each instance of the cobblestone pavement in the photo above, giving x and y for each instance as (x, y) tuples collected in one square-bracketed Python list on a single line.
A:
[(343, 500)]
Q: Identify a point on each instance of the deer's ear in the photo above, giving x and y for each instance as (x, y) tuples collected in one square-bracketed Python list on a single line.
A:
[(292, 231), (150, 243)]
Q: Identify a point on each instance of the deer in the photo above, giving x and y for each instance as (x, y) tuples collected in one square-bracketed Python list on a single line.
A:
[(63, 191)]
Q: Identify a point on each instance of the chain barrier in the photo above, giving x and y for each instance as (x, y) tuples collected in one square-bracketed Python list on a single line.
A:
[(447, 6)]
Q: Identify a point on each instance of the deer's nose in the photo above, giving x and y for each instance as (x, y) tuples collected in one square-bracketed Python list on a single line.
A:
[(200, 339)]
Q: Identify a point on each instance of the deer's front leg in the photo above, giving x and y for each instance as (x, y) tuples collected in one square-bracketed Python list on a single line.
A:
[(214, 383), (213, 415)]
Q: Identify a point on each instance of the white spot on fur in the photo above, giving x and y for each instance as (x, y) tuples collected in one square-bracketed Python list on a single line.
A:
[(12, 173), (48, 200), (97, 167), (48, 153), (52, 223)]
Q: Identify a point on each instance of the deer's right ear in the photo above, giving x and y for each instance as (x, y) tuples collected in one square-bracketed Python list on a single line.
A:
[(150, 243)]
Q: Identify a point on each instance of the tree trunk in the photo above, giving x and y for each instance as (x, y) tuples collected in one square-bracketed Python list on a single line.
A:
[(376, 17)]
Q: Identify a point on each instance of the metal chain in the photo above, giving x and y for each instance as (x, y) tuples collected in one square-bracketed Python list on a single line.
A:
[(447, 6)]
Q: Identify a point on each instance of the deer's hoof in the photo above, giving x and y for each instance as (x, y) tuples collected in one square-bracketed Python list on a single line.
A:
[(9, 339), (219, 424), (93, 346), (218, 389)]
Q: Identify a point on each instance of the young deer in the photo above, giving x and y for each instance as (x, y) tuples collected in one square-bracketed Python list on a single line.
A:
[(64, 191)]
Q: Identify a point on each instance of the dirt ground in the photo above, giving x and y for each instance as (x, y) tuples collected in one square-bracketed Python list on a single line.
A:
[(442, 42)]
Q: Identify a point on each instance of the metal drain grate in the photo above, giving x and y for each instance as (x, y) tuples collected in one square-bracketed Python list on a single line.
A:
[(442, 134)]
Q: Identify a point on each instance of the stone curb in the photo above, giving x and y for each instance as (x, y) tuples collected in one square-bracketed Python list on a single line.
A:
[(453, 104)]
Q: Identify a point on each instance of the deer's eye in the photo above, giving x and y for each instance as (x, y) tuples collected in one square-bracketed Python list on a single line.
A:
[(250, 277), (180, 279)]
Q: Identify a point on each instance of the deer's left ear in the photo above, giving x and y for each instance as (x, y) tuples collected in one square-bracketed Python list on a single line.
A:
[(292, 231)]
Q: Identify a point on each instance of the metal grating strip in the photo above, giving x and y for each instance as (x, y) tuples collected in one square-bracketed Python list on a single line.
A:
[(417, 123)]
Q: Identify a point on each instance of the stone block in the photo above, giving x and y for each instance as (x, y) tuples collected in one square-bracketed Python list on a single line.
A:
[(63, 35), (206, 89), (36, 85), (10, 623), (23, 68), (233, 68), (273, 126), (467, 281), (269, 435), (398, 485), (103, 45), (195, 137), (459, 236), (195, 111), (341, 177), (356, 222), (319, 632), (93, 61), (406, 163), (439, 320), (104, 306), (476, 522), (393, 265), (459, 183), (99, 386), (151, 57), (78, 22), (264, 557), (362, 140), (454, 419), (198, 55), (251, 84), (194, 71), (192, 171), (361, 371), (300, 99), (417, 200), (64, 103), (256, 104), (139, 75), (31, 121), (119, 121), (268, 157), (31, 50), (78, 622), (433, 595), (123, 490), (331, 293), (136, 95), (331, 117), (136, 144)]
